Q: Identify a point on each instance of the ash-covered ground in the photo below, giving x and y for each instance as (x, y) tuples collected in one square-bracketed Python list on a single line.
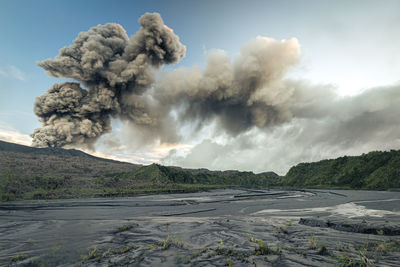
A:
[(221, 227)]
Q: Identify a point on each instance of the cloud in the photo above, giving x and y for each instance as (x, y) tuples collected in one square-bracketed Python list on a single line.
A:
[(248, 92), (241, 113), (121, 144), (3, 73), (336, 127), (13, 72), (11, 135), (116, 71), (118, 74)]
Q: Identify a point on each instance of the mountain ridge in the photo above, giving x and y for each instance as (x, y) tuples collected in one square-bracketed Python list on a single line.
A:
[(25, 160), (376, 170), (27, 173), (13, 147)]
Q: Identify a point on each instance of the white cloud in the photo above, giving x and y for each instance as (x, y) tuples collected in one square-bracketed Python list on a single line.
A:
[(146, 155), (13, 72), (11, 135), (117, 146), (329, 129), (16, 73), (3, 73)]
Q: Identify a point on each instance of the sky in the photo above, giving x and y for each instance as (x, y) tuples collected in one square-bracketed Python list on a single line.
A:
[(335, 91)]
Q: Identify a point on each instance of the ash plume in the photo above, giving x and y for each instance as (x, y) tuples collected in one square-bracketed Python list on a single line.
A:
[(233, 109), (324, 127), (115, 71), (248, 92)]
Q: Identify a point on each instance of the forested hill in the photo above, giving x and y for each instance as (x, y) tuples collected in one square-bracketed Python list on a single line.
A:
[(27, 173), (46, 173), (375, 170), (176, 175), (32, 161)]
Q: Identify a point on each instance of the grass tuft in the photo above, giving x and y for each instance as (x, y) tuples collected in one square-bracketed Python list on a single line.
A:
[(127, 227)]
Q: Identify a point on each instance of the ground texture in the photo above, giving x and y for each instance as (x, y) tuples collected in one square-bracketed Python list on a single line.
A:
[(216, 228)]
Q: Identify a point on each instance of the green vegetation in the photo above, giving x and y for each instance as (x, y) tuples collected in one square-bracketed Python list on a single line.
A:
[(53, 173), (312, 243), (262, 248), (365, 254), (375, 170), (17, 258), (92, 254), (281, 229), (173, 241), (228, 263), (174, 175), (380, 232), (127, 227), (123, 250), (99, 254), (347, 261), (19, 187), (145, 180), (56, 162)]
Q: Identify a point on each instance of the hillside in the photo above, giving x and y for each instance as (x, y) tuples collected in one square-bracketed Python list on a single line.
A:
[(177, 175), (31, 161), (375, 170), (45, 173), (37, 173)]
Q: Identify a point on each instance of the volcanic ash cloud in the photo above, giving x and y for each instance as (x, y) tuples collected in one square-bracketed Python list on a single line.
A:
[(113, 69), (248, 92), (115, 78)]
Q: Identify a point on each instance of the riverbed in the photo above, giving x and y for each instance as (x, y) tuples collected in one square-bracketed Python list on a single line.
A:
[(240, 227)]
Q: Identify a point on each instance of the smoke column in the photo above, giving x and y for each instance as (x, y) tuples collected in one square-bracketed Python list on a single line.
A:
[(248, 92), (115, 78), (115, 72)]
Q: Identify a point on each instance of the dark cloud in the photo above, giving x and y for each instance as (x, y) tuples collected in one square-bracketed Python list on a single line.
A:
[(70, 115), (118, 72), (248, 92), (257, 118), (324, 127), (115, 71)]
